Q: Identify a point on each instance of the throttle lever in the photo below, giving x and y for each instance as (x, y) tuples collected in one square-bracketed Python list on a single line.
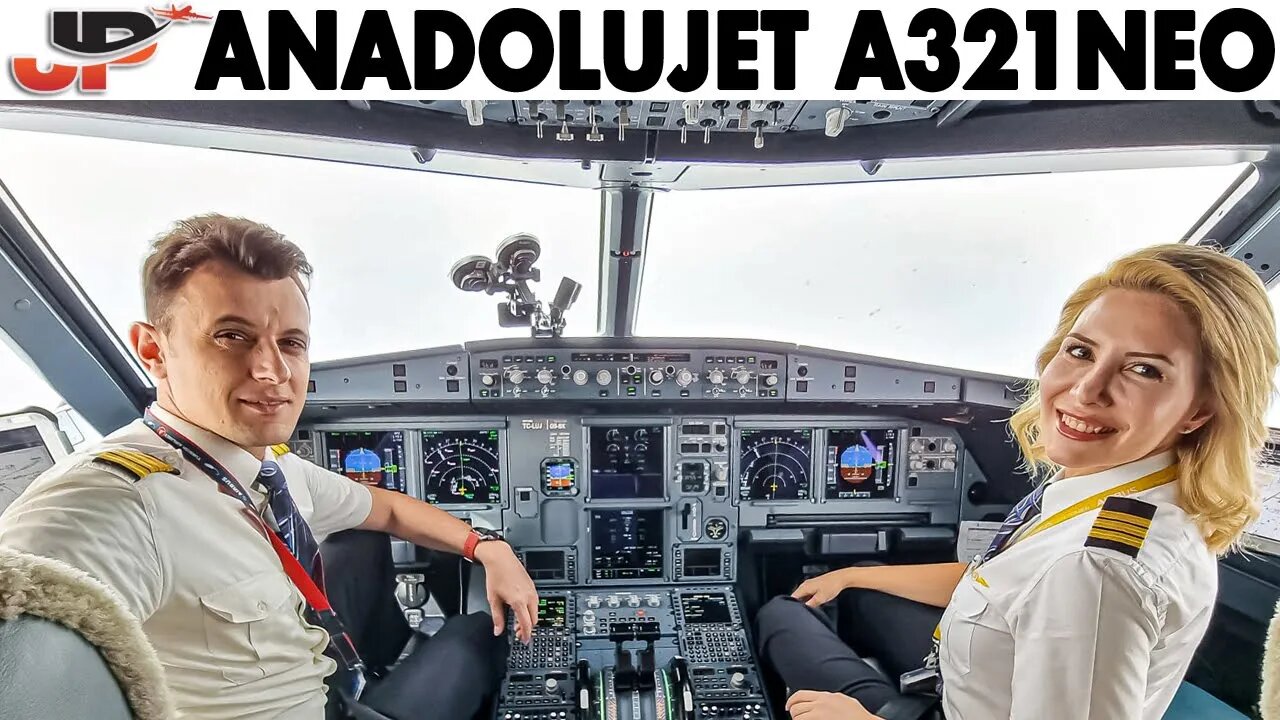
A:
[(584, 688), (645, 675), (680, 667)]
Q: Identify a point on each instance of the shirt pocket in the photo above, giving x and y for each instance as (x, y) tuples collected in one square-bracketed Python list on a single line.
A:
[(967, 612), (239, 622)]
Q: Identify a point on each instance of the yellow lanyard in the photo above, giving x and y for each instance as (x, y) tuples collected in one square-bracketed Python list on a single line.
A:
[(1093, 502)]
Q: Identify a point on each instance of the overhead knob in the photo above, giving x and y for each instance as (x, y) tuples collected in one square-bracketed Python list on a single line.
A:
[(684, 378), (742, 376), (545, 376), (656, 376), (770, 380), (604, 377), (737, 680), (516, 376), (716, 377), (488, 380)]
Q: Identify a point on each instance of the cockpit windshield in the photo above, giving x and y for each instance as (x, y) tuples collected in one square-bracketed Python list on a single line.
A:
[(962, 272), (382, 240), (967, 273)]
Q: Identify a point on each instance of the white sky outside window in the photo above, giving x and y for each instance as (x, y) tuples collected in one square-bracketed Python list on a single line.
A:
[(22, 386), (967, 273), (381, 240)]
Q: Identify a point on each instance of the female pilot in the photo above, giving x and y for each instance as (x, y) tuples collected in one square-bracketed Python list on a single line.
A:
[(1094, 594)]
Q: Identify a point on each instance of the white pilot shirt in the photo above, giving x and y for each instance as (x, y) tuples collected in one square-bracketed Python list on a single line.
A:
[(209, 589), (1053, 629)]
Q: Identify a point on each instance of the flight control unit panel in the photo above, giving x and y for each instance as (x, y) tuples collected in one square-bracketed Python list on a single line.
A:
[(632, 524)]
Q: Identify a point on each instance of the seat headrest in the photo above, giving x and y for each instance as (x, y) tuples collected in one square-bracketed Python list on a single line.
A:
[(1271, 671), (53, 590)]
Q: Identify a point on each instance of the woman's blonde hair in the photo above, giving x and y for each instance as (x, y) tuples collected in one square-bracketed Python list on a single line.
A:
[(1229, 306)]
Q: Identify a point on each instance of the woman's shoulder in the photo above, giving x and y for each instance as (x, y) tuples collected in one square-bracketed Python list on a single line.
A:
[(1153, 535)]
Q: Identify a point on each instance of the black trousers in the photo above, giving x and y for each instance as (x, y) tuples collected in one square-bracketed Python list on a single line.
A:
[(451, 675), (805, 649)]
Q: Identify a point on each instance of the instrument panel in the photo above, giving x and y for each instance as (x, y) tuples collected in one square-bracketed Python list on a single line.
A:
[(602, 500), (631, 482)]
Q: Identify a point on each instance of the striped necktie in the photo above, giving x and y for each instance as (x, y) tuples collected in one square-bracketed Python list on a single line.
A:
[(1027, 508), (292, 527)]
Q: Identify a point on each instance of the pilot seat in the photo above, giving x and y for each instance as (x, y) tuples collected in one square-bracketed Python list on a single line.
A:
[(60, 629)]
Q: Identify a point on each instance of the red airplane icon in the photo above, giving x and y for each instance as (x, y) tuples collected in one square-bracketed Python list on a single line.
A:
[(183, 14)]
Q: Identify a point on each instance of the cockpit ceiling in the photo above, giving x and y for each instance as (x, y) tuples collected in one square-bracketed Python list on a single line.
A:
[(919, 130)]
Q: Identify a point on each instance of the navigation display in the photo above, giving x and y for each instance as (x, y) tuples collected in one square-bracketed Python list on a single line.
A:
[(861, 463), (626, 462), (626, 544), (707, 607), (461, 467), (774, 464), (23, 456), (371, 457)]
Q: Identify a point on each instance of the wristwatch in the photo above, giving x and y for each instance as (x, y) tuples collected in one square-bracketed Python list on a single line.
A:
[(477, 536)]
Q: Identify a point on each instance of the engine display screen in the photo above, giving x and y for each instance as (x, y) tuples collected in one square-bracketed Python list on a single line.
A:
[(626, 462), (461, 467), (552, 612), (371, 457), (861, 463), (702, 608), (626, 544)]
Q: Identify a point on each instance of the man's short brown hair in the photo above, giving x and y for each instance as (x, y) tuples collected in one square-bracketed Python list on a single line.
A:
[(244, 244)]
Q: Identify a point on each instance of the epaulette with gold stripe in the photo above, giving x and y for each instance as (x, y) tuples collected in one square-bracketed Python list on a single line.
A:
[(137, 464), (1122, 525), (281, 449)]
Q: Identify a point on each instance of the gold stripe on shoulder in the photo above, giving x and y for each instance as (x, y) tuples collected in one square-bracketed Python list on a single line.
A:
[(281, 449), (137, 464), (1122, 525)]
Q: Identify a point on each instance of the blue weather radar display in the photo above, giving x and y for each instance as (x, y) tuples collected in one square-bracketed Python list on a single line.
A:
[(371, 457), (861, 463)]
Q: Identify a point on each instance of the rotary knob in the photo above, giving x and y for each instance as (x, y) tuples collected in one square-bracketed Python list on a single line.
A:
[(516, 376), (656, 377), (742, 376), (653, 601), (545, 376), (737, 680), (579, 377), (633, 601), (593, 602), (604, 377), (684, 378), (770, 380), (614, 602), (488, 380), (552, 684), (716, 377)]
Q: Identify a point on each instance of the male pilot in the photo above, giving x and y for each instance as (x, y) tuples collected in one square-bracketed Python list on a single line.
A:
[(209, 528)]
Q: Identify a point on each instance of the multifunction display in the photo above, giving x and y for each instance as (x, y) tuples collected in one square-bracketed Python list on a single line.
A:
[(774, 464), (461, 467), (626, 544), (371, 457), (861, 463), (626, 462)]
